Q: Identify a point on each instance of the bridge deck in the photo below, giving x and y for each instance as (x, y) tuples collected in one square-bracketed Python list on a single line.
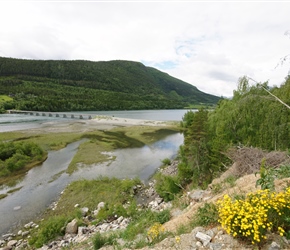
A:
[(52, 114)]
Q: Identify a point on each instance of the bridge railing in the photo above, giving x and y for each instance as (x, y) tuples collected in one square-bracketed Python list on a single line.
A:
[(52, 114)]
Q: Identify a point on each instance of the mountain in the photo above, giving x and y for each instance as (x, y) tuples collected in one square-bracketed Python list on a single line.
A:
[(61, 85)]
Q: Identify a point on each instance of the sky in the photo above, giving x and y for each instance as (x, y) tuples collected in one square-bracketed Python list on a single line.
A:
[(209, 44)]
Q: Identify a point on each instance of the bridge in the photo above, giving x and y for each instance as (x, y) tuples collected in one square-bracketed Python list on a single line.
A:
[(52, 114)]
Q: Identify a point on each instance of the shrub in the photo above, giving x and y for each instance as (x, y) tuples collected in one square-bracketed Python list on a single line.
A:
[(166, 161), (50, 228), (100, 240), (154, 233), (206, 215), (258, 212), (163, 216), (166, 186)]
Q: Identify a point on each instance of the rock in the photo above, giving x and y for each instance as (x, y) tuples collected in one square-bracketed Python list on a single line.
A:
[(19, 232), (101, 205), (17, 208), (29, 225), (8, 237), (215, 246), (84, 211), (72, 227), (274, 246), (77, 205), (2, 242), (12, 243), (25, 233), (6, 248), (199, 195), (204, 238)]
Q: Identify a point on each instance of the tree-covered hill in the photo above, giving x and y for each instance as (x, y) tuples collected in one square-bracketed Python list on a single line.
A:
[(59, 85)]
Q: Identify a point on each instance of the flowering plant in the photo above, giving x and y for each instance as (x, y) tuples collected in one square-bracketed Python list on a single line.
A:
[(155, 232), (259, 212)]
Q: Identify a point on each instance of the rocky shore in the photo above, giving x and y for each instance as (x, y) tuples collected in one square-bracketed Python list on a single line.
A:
[(80, 237)]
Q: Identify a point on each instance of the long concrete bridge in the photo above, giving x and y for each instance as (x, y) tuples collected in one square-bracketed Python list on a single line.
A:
[(52, 114)]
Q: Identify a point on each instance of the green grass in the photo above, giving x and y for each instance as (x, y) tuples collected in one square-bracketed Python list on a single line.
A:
[(2, 196), (5, 98)]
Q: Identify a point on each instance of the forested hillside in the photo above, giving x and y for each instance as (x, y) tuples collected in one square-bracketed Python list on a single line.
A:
[(51, 85), (252, 118)]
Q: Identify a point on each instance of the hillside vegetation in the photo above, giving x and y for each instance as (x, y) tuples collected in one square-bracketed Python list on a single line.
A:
[(54, 85), (247, 198)]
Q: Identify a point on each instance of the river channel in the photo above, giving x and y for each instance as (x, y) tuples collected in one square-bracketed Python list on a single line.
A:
[(43, 184)]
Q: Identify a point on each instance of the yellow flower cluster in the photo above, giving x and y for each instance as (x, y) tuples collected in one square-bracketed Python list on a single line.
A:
[(252, 217), (155, 231)]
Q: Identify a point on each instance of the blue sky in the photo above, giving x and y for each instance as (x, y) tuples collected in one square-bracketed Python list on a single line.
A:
[(209, 44)]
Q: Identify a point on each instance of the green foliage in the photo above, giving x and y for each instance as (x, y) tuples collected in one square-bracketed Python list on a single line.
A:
[(100, 240), (167, 186), (49, 229), (163, 216), (84, 85), (253, 117), (267, 177), (166, 161), (258, 213), (283, 172), (206, 215), (142, 220), (15, 156), (202, 156)]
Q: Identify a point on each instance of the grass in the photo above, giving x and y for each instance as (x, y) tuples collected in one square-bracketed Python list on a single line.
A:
[(5, 98), (2, 196), (90, 151), (114, 192)]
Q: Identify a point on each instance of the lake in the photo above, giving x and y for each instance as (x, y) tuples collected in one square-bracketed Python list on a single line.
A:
[(43, 184), (13, 122)]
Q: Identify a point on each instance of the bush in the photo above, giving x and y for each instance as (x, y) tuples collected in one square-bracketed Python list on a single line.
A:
[(258, 213), (100, 240), (155, 232), (206, 215), (167, 186), (163, 216), (49, 229), (166, 161)]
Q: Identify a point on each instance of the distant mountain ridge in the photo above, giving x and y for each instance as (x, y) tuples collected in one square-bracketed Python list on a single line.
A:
[(63, 85)]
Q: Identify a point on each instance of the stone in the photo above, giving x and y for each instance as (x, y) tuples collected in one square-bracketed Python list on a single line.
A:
[(274, 246), (72, 227), (120, 219), (204, 238), (84, 211), (29, 225), (77, 205), (12, 243), (25, 233), (215, 246), (101, 205)]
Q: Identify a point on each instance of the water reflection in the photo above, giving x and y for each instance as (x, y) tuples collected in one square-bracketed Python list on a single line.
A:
[(42, 185)]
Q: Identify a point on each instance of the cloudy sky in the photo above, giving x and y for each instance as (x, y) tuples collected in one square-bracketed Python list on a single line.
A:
[(209, 44)]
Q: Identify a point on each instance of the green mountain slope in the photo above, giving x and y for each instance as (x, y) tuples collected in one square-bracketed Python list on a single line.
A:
[(54, 85)]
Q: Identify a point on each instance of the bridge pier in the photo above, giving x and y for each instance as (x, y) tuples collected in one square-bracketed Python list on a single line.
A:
[(53, 114)]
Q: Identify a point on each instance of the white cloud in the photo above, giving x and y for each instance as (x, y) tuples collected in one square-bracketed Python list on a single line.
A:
[(207, 44)]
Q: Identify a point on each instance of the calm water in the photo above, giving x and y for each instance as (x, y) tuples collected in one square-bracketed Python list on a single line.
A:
[(13, 122), (43, 184)]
